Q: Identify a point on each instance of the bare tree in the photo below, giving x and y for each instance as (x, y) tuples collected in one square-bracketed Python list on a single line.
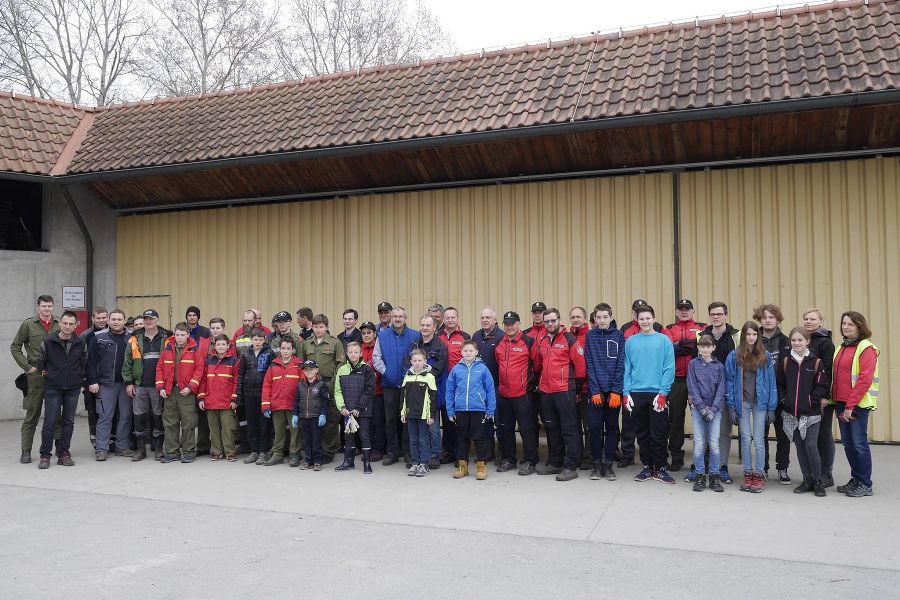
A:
[(201, 46), (325, 36)]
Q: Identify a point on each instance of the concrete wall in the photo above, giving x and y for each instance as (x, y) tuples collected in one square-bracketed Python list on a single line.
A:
[(26, 275)]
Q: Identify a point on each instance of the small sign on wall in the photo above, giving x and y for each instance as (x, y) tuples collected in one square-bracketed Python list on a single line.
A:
[(73, 296)]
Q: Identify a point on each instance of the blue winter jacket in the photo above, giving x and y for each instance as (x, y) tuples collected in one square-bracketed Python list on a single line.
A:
[(470, 388), (604, 355), (706, 384), (391, 353), (766, 391)]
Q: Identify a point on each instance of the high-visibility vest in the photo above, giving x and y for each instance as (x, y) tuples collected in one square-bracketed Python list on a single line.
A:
[(870, 399)]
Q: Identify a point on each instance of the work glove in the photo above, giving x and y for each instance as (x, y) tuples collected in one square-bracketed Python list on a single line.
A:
[(770, 417), (629, 403), (351, 426), (321, 420), (267, 414), (597, 399), (659, 403), (615, 400), (733, 414), (295, 420)]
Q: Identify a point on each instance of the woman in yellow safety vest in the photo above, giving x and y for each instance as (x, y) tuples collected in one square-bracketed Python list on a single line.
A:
[(855, 392)]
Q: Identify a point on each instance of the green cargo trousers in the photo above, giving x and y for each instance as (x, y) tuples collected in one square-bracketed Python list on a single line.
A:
[(221, 431), (180, 424), (33, 403)]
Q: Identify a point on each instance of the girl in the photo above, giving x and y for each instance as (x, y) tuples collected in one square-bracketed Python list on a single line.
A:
[(218, 397), (470, 400), (706, 394), (752, 399), (803, 393)]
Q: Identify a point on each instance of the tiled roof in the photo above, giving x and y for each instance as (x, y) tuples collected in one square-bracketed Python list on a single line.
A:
[(811, 51), (33, 133)]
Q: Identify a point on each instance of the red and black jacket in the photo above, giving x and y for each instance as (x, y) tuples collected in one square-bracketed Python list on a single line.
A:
[(515, 366), (454, 342), (218, 387), (559, 359), (367, 351), (684, 338), (280, 384), (190, 367)]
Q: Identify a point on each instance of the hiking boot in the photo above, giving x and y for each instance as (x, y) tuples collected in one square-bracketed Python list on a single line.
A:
[(662, 474), (263, 457), (251, 458), (462, 469), (783, 477), (126, 452), (294, 460), (848, 486), (567, 475), (818, 488), (100, 456), (625, 461), (481, 471), (545, 469), (526, 468), (44, 463), (141, 453), (827, 480), (275, 459), (421, 470), (25, 458), (610, 473), (65, 460), (699, 483), (758, 483), (724, 476), (804, 487), (645, 474), (859, 491), (433, 463), (715, 484), (747, 485), (389, 459), (506, 466), (597, 473)]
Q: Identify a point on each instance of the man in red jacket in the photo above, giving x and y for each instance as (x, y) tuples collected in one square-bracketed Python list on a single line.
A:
[(516, 374), (453, 337), (535, 332), (683, 333), (178, 375), (559, 359), (579, 328)]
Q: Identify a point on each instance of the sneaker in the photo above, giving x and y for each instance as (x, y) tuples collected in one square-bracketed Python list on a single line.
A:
[(783, 477), (65, 460), (610, 472), (317, 467), (409, 464), (214, 457), (126, 452), (597, 472), (167, 458), (252, 458), (187, 458), (274, 460), (412, 470), (662, 474), (545, 469), (818, 488), (263, 457), (306, 466), (843, 489), (294, 460), (526, 468), (699, 483), (691, 475), (567, 475), (421, 470), (859, 491), (644, 475), (506, 466), (804, 487), (747, 485), (625, 461), (827, 480), (100, 456), (434, 463), (724, 477), (44, 463), (714, 484), (758, 483)]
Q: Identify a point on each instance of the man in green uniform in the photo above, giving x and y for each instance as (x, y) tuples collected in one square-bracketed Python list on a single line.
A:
[(328, 352)]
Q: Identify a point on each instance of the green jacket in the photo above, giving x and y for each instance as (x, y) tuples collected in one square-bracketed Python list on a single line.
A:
[(329, 355), (275, 341), (28, 338), (133, 367)]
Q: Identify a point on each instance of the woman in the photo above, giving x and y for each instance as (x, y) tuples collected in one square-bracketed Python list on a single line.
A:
[(821, 346), (751, 398), (855, 392), (802, 392)]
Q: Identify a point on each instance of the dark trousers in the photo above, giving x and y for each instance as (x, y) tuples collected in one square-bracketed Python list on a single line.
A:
[(470, 428), (56, 401), (364, 433), (604, 425), (376, 424), (90, 405), (628, 433), (782, 445), (448, 438), (584, 427), (203, 442), (652, 429), (393, 428), (512, 411), (808, 452), (534, 399), (312, 440), (677, 408), (563, 432), (259, 428), (826, 439)]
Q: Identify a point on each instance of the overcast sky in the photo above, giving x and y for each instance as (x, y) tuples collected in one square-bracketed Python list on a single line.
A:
[(478, 24)]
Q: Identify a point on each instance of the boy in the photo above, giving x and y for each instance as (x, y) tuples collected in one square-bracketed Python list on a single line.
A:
[(311, 402), (278, 391), (604, 355), (649, 373), (178, 375), (418, 410), (252, 369), (354, 389), (218, 397)]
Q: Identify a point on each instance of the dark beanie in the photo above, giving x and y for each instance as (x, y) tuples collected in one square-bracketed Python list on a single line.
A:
[(192, 309)]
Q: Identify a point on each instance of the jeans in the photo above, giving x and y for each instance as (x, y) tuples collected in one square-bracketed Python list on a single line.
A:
[(603, 423), (856, 444), (706, 434), (55, 401), (419, 441), (753, 429)]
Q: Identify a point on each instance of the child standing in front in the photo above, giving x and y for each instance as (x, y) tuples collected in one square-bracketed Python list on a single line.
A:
[(313, 398), (178, 375), (254, 363), (706, 396), (470, 400), (354, 389), (419, 392), (278, 392), (218, 398)]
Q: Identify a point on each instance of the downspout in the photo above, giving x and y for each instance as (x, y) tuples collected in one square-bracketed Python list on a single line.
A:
[(676, 231), (88, 250)]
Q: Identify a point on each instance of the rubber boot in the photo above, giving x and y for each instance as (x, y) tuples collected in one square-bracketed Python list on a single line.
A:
[(158, 426), (141, 452), (462, 469), (140, 432), (367, 464), (481, 470), (348, 459)]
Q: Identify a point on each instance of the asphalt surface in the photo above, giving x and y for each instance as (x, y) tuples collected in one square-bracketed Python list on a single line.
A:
[(228, 530)]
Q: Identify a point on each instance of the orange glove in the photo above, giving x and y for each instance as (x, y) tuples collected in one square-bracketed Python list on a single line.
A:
[(615, 400), (597, 399)]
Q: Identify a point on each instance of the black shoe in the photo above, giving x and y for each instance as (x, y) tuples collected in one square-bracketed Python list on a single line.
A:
[(44, 463), (843, 489), (434, 463), (567, 475), (805, 486), (389, 460), (699, 483), (827, 480), (598, 471), (610, 472), (140, 454), (586, 465), (25, 458), (676, 465), (818, 488), (506, 466), (625, 461), (545, 469), (714, 484), (447, 459), (294, 460)]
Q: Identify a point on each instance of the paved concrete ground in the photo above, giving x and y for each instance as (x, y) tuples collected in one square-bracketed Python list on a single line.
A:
[(228, 530)]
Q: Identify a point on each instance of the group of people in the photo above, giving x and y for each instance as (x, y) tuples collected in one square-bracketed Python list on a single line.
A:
[(385, 391)]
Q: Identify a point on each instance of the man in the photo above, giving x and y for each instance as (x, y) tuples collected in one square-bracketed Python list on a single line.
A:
[(769, 316), (579, 328), (192, 318), (24, 350), (136, 323), (60, 361), (389, 358), (516, 374), (241, 338), (328, 354), (139, 376), (436, 311), (385, 316), (350, 333), (486, 339), (283, 322), (632, 327), (559, 360), (258, 322), (683, 333), (99, 318), (453, 338), (436, 356), (304, 320), (106, 357), (535, 332)]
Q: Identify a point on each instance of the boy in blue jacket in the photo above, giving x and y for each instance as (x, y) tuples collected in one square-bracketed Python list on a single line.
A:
[(470, 400), (604, 355), (706, 397)]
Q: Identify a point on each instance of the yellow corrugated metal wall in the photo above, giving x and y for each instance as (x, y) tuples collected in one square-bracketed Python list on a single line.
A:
[(819, 235)]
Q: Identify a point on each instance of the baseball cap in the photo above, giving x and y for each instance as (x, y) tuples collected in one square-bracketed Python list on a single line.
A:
[(538, 306), (281, 317), (150, 314), (684, 303), (368, 325), (309, 364), (385, 306), (638, 304), (511, 317)]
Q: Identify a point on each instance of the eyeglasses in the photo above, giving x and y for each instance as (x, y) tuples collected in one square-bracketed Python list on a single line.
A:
[(550, 321)]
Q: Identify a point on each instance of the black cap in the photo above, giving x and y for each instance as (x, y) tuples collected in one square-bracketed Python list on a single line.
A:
[(638, 304), (538, 306), (150, 314), (510, 317), (281, 317), (192, 309), (684, 303), (368, 325), (309, 364), (385, 306)]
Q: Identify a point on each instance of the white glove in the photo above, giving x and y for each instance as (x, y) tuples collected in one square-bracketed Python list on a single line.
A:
[(352, 425), (629, 403)]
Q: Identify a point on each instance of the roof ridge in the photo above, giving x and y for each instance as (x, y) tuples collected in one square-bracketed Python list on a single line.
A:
[(38, 100)]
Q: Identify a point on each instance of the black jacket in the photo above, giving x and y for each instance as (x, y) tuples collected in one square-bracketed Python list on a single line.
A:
[(251, 372), (105, 357), (801, 387), (487, 346), (778, 346), (312, 399), (821, 345), (62, 370), (435, 355), (725, 344), (355, 336)]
